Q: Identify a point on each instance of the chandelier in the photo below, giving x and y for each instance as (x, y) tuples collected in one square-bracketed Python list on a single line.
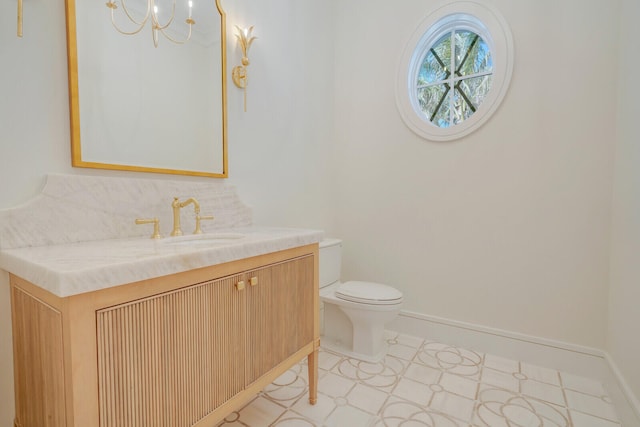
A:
[(152, 13)]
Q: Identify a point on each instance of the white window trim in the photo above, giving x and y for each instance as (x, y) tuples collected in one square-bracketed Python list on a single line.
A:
[(470, 15)]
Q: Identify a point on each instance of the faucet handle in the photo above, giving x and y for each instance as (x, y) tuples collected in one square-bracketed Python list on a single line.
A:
[(199, 218), (156, 226)]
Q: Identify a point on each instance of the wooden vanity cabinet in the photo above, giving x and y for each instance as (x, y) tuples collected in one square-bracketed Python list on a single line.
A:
[(181, 350)]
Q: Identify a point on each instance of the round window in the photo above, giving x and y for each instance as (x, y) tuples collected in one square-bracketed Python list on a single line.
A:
[(455, 71)]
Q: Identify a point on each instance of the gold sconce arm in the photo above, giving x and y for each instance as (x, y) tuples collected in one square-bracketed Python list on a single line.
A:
[(19, 18), (239, 72)]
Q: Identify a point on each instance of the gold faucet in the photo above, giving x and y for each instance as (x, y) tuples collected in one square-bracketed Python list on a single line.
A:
[(177, 205)]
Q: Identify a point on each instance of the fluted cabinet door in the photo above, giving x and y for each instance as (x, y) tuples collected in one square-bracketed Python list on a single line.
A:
[(172, 359), (280, 313)]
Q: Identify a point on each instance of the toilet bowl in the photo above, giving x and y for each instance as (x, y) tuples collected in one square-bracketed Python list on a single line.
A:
[(353, 314)]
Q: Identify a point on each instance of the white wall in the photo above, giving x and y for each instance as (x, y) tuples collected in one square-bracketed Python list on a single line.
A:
[(34, 115), (623, 340), (34, 135), (277, 151), (508, 227)]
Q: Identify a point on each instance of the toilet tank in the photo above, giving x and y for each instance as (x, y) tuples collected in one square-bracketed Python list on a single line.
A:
[(330, 260)]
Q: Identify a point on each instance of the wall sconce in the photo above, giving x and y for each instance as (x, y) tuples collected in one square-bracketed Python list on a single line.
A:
[(152, 12), (19, 18), (239, 72)]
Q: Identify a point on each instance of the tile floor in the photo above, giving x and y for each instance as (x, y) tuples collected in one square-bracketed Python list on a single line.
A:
[(424, 383)]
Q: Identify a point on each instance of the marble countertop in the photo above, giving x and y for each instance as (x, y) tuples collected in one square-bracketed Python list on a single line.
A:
[(75, 268)]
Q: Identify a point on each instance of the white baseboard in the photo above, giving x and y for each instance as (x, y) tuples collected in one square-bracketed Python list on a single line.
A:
[(579, 360), (620, 391)]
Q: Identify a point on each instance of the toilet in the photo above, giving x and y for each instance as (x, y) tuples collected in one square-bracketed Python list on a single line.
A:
[(353, 314)]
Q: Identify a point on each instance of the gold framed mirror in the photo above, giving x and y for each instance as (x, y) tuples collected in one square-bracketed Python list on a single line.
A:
[(137, 107)]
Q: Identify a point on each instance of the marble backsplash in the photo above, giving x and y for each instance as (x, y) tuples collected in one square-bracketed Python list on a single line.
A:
[(78, 208)]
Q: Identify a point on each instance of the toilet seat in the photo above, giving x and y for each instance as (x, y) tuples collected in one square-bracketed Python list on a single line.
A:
[(368, 293)]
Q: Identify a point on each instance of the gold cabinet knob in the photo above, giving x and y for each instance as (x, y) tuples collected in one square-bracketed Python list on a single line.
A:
[(253, 281), (240, 285)]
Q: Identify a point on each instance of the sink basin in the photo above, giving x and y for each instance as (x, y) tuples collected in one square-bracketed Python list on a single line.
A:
[(203, 239)]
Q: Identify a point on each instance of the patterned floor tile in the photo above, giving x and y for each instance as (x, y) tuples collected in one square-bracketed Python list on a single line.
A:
[(501, 364), (327, 360), (398, 412), (288, 388), (259, 412), (450, 359), (500, 379), (318, 412), (414, 391), (293, 420), (425, 383), (580, 419), (349, 416), (423, 374), (540, 374), (498, 408), (367, 398), (453, 405), (402, 351), (335, 385), (384, 375), (461, 386), (581, 384), (410, 341), (542, 391), (599, 406)]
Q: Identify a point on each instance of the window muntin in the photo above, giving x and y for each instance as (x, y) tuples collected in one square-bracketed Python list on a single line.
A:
[(441, 96), (451, 87)]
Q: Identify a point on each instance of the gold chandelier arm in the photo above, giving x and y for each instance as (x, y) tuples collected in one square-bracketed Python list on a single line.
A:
[(111, 4), (127, 33), (156, 27), (131, 18), (168, 37), (162, 28), (171, 18)]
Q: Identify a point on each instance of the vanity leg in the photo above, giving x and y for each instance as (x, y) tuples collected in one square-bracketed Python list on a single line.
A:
[(312, 361)]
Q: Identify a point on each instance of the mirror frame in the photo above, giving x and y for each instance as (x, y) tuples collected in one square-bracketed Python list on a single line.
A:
[(74, 103)]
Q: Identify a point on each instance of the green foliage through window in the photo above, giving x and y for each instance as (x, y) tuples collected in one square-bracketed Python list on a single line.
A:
[(451, 87)]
